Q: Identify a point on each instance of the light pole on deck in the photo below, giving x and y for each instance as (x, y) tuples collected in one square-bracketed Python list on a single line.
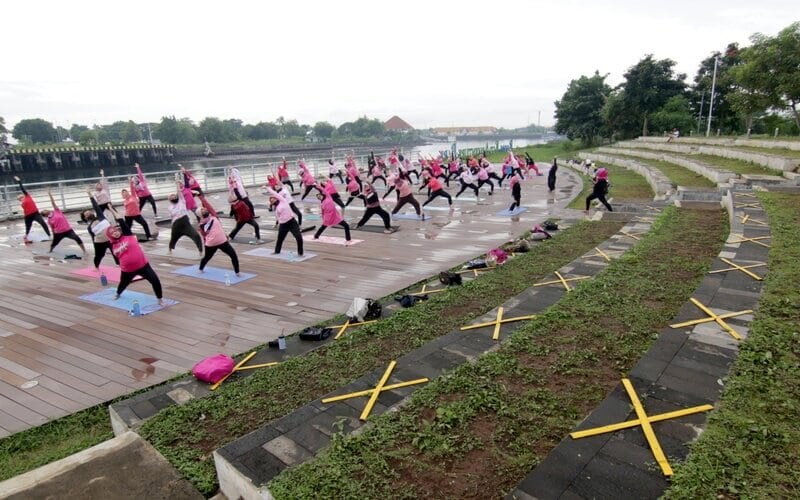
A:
[(711, 99)]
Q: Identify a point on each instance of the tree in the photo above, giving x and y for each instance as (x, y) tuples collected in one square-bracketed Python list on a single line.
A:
[(578, 113), (648, 86), (76, 130), (88, 137), (777, 63), (173, 131), (323, 130), (618, 123), (34, 130), (675, 114), (294, 129), (213, 129), (130, 132), (725, 116)]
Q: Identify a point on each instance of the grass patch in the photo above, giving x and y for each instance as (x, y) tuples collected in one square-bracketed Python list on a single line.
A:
[(751, 443), (678, 175), (543, 154), (736, 166), (54, 440), (787, 153), (624, 185), (186, 435), (477, 431)]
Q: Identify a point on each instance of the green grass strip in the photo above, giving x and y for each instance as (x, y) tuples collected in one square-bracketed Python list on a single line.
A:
[(186, 435), (736, 166), (751, 444), (477, 431), (787, 153), (678, 175), (54, 440)]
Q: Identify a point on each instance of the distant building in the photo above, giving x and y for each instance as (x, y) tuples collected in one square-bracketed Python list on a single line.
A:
[(461, 131), (397, 124)]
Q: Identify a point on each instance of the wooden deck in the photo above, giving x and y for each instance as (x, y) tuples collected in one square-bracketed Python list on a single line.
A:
[(60, 354)]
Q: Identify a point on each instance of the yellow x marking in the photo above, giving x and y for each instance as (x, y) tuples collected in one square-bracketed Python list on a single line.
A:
[(654, 209), (737, 267), (746, 218), (497, 323), (563, 281), (635, 236), (756, 240), (599, 253), (240, 367), (644, 420), (713, 317), (343, 328), (643, 219), (476, 270), (374, 393), (746, 205), (745, 195), (425, 290)]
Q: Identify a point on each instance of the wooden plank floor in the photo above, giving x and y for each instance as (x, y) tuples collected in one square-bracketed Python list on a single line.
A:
[(60, 354)]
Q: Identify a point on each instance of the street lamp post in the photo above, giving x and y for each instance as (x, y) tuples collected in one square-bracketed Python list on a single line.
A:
[(711, 100)]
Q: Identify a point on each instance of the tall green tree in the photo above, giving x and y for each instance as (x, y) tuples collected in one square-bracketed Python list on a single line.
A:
[(579, 111), (674, 115), (34, 130), (725, 116), (777, 61), (323, 130), (648, 86), (173, 131), (76, 130)]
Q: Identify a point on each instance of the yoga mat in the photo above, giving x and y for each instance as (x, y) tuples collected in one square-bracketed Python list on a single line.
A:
[(163, 222), (331, 240), (284, 255), (437, 209), (60, 253), (111, 272), (213, 274), (307, 228), (516, 211), (147, 303), (178, 253), (33, 236), (375, 229), (250, 241), (311, 217), (412, 216), (310, 199)]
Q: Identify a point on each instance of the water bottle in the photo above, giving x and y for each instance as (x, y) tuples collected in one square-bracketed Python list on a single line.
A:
[(136, 310), (227, 279), (282, 343), (291, 256), (103, 279)]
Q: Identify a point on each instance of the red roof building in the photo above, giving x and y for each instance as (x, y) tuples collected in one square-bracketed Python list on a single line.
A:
[(396, 123)]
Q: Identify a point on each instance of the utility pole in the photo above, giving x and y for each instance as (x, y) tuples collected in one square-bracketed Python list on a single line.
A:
[(711, 100), (700, 114)]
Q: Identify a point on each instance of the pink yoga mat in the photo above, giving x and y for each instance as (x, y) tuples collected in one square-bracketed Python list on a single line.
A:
[(112, 273), (331, 240)]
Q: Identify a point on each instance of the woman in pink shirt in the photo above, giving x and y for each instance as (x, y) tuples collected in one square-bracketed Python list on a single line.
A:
[(131, 257), (373, 204), (377, 173), (516, 192), (101, 193), (214, 236), (331, 217), (353, 190), (132, 211), (286, 221), (404, 196), (330, 189), (60, 225), (437, 190), (483, 178), (283, 174), (308, 181), (143, 192)]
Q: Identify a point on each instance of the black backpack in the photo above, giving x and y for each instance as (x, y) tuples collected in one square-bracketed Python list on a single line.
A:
[(550, 225), (315, 333), (374, 310), (449, 278)]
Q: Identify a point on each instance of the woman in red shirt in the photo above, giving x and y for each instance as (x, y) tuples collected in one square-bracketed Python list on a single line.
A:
[(132, 260), (30, 210)]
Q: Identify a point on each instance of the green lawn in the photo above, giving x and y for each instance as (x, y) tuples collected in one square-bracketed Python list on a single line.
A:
[(735, 166), (680, 176), (751, 445), (788, 153), (625, 185), (476, 432)]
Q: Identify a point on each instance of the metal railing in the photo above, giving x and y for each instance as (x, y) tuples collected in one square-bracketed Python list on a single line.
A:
[(71, 195)]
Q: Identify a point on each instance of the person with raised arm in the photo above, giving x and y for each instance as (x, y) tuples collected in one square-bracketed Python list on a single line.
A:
[(130, 201), (214, 236), (236, 187), (551, 175), (283, 174), (284, 215), (330, 189), (334, 170), (97, 225), (404, 195), (307, 178), (60, 225), (181, 225), (373, 204), (101, 192), (143, 192), (436, 190), (331, 217), (132, 260), (516, 192), (242, 215), (600, 189), (30, 211)]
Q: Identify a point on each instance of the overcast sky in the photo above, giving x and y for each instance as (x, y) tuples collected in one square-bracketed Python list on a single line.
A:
[(433, 63)]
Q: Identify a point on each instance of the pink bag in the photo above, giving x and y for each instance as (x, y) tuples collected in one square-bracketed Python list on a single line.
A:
[(214, 368), (499, 255)]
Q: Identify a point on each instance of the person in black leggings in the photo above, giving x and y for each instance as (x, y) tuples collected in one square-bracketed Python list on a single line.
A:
[(97, 230), (373, 203), (30, 210), (600, 189)]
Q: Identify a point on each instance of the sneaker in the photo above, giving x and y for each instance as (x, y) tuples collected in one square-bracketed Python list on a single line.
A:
[(387, 231), (26, 241)]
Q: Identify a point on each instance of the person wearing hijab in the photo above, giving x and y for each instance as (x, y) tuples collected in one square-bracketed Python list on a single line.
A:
[(132, 260), (551, 175), (30, 211), (600, 189), (214, 236)]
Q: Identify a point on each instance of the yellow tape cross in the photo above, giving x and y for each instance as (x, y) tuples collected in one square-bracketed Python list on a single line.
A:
[(644, 420), (476, 270), (635, 236), (425, 291), (737, 267), (746, 218), (756, 240), (563, 281), (376, 391), (343, 328), (643, 219), (599, 253), (718, 318), (747, 205), (240, 367), (497, 323), (745, 195), (653, 209)]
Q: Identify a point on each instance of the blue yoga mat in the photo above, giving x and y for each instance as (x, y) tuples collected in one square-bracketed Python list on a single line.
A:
[(311, 217), (213, 274), (516, 211), (147, 303), (286, 255), (408, 217)]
